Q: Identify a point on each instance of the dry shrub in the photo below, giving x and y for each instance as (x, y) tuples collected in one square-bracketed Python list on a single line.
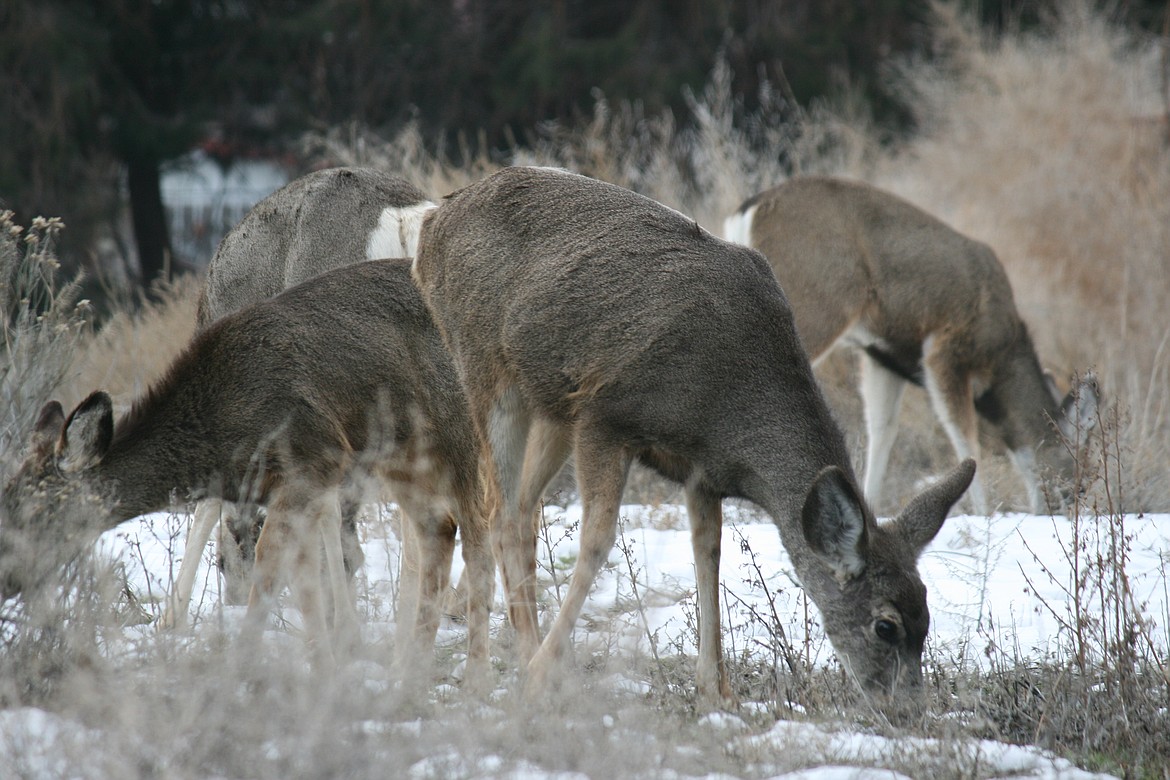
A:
[(51, 638), (43, 324)]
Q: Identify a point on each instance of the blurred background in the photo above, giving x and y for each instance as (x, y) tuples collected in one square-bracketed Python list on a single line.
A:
[(150, 126)]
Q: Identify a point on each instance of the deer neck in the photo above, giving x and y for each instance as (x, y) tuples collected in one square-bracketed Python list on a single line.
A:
[(814, 576), (155, 457), (1019, 403), (783, 488)]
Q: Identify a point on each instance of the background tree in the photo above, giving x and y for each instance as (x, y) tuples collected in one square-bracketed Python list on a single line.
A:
[(95, 97), (102, 94)]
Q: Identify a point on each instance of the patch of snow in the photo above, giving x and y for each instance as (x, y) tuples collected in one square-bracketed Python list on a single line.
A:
[(989, 579)]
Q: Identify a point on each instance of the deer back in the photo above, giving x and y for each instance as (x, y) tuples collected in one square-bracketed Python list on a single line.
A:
[(591, 299), (320, 221), (848, 253)]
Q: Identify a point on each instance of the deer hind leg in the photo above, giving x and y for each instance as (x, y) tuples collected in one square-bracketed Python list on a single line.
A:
[(290, 545), (455, 600), (546, 449), (206, 516), (706, 515), (953, 399), (881, 395), (338, 576), (545, 454), (602, 469), (479, 576), (433, 533), (409, 574), (343, 559), (513, 536)]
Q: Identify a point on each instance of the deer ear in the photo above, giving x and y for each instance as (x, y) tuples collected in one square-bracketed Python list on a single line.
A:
[(923, 517), (834, 523), (47, 430), (1079, 408), (87, 434)]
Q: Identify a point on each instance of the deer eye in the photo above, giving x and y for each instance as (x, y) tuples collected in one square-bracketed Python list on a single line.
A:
[(886, 630)]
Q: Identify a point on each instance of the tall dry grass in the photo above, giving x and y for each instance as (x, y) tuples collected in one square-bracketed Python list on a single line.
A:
[(44, 323), (135, 345)]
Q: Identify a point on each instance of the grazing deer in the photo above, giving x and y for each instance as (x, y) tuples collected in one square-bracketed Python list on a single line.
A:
[(323, 220), (584, 317), (923, 305), (281, 403)]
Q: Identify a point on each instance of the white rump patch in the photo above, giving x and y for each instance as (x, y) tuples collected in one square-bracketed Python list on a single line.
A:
[(397, 232), (738, 227)]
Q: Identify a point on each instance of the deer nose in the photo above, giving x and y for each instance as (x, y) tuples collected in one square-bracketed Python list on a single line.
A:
[(1062, 496), (894, 680), (901, 703)]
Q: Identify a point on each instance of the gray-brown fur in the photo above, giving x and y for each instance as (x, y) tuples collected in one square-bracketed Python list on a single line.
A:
[(584, 317), (280, 403), (320, 221), (923, 304)]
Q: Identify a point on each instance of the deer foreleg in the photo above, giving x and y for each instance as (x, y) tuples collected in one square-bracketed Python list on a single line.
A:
[(602, 469), (433, 534), (881, 395), (290, 542), (706, 516), (206, 516)]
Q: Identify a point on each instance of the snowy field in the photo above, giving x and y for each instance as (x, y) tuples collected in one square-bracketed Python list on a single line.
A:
[(998, 585)]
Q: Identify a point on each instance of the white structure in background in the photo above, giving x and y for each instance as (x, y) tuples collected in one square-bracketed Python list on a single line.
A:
[(203, 201)]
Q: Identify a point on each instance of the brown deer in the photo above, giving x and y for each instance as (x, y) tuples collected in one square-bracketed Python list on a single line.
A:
[(583, 317), (323, 220), (280, 403), (924, 305), (320, 221)]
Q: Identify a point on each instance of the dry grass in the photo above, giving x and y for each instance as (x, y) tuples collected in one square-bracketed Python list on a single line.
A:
[(134, 347), (43, 324)]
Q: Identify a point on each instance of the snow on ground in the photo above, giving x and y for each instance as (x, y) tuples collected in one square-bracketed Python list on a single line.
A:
[(998, 582)]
